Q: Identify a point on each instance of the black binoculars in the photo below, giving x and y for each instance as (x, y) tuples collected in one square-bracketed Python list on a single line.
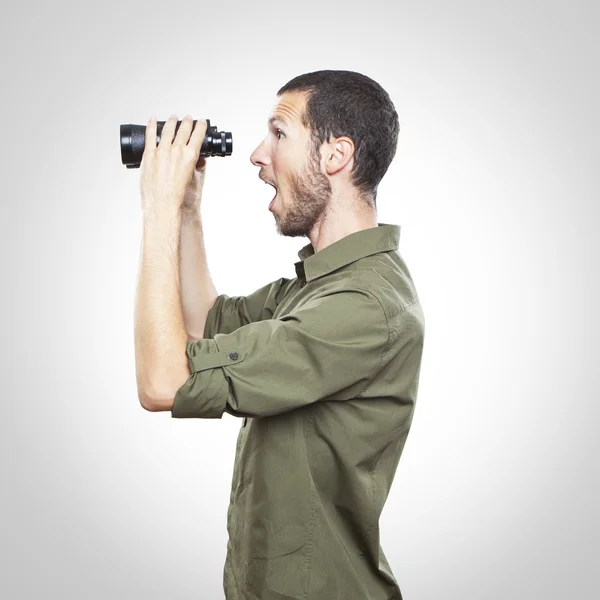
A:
[(133, 141)]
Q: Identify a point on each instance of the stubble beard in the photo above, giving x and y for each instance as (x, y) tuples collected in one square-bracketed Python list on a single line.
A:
[(310, 195)]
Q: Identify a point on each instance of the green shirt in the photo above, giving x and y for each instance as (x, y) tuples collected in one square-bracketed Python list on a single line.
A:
[(324, 369)]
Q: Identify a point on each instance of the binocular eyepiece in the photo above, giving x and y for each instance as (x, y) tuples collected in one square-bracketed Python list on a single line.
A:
[(133, 141)]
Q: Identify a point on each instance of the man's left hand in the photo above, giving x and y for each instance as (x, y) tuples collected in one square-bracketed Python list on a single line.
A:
[(167, 169)]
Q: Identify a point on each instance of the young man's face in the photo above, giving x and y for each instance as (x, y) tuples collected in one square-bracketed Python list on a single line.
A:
[(287, 162)]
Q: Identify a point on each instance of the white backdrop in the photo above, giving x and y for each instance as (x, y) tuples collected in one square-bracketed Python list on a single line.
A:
[(495, 186)]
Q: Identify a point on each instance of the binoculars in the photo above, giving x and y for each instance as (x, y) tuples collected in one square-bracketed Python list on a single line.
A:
[(133, 141)]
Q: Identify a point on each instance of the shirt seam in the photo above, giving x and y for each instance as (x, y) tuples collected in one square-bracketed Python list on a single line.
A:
[(312, 519), (387, 324), (388, 344), (372, 525)]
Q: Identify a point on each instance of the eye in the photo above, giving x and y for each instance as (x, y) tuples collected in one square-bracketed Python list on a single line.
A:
[(280, 132)]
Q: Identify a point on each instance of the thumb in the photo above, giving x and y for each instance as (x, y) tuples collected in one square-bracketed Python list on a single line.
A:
[(201, 164)]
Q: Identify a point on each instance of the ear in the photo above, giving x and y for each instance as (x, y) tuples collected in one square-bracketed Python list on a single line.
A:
[(338, 154)]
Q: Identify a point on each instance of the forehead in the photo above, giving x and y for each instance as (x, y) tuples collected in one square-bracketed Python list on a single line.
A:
[(288, 110)]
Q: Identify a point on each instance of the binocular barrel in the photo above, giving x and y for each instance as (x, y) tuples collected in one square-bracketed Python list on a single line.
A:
[(133, 141)]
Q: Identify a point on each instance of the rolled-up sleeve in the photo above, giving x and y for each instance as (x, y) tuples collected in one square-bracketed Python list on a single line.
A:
[(329, 348), (229, 313)]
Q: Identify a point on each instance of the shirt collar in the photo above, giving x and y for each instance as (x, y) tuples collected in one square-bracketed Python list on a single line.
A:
[(346, 250)]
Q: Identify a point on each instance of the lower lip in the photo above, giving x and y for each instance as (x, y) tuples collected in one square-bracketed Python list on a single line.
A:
[(272, 202)]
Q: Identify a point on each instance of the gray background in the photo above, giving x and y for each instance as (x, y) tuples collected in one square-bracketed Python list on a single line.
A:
[(495, 186)]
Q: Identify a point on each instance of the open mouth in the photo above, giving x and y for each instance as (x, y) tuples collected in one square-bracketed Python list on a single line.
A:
[(275, 196)]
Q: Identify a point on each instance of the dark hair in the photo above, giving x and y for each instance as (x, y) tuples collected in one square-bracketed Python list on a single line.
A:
[(346, 103)]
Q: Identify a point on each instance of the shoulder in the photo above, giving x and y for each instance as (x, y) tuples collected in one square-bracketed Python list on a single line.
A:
[(394, 291), (387, 278)]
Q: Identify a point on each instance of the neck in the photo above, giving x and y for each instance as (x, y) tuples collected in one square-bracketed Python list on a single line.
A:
[(337, 224)]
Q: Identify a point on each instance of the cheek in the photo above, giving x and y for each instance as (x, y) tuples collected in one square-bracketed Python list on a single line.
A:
[(280, 170), (278, 161), (282, 159)]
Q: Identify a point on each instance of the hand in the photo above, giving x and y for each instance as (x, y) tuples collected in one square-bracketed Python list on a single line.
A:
[(169, 169), (193, 193)]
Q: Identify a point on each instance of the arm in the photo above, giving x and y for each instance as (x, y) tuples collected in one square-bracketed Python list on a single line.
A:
[(160, 335), (172, 175), (328, 349), (198, 292)]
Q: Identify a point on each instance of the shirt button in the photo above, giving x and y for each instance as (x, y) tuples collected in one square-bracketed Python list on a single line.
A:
[(233, 355)]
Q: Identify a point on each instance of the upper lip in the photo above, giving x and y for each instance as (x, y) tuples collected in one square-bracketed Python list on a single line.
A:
[(267, 181)]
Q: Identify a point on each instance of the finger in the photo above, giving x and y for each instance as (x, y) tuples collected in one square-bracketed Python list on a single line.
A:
[(183, 133), (198, 135), (150, 136), (166, 136)]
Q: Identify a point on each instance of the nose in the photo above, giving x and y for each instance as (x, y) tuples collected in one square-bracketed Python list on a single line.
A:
[(260, 157)]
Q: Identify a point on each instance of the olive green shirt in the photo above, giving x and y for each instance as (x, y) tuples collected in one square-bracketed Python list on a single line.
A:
[(324, 369)]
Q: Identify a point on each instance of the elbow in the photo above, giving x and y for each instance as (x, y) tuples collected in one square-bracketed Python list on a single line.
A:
[(146, 402), (155, 398), (153, 403)]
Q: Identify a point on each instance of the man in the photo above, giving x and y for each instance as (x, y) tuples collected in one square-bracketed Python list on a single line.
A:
[(322, 368)]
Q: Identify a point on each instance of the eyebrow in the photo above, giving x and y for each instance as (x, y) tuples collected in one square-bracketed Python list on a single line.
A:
[(273, 120)]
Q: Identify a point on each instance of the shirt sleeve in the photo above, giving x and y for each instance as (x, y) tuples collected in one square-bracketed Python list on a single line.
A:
[(230, 313), (329, 348)]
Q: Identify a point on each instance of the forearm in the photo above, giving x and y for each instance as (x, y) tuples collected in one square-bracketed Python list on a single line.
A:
[(160, 336), (198, 292)]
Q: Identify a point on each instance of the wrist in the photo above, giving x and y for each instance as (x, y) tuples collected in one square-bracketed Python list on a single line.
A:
[(164, 217), (190, 214)]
